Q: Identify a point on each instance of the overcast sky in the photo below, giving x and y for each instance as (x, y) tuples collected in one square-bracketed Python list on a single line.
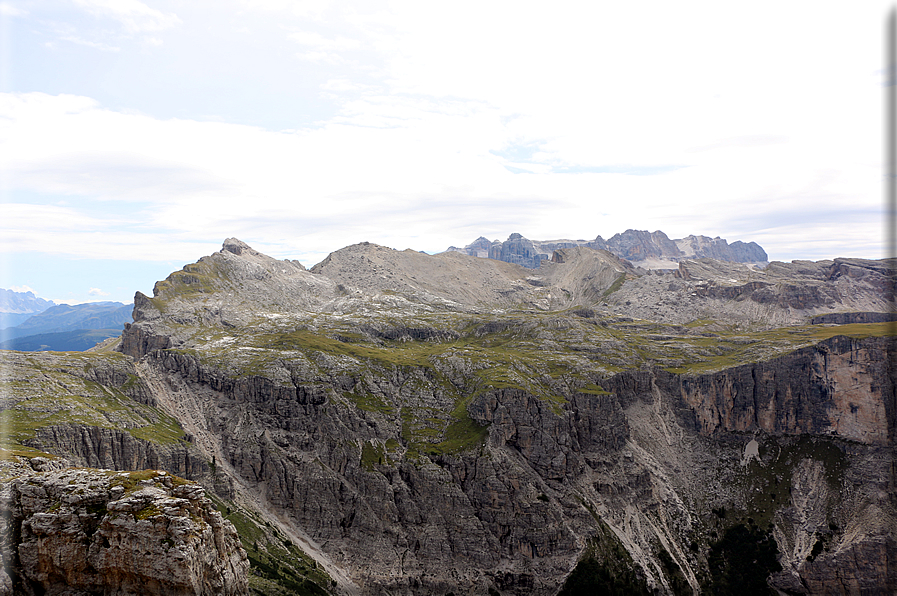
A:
[(136, 136)]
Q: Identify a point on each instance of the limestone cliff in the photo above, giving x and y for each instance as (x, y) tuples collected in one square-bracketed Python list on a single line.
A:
[(86, 531)]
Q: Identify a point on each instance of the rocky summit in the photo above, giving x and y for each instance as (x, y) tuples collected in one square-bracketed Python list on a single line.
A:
[(391, 422)]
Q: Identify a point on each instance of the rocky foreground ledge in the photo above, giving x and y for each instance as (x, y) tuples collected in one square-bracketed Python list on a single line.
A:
[(77, 531)]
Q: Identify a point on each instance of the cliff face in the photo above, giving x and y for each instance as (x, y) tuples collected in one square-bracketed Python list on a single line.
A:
[(96, 410), (98, 447), (842, 387), (513, 510), (80, 531), (717, 248)]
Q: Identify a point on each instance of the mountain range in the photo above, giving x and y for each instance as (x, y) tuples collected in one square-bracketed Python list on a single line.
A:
[(67, 327), (651, 250), (392, 422), (17, 307)]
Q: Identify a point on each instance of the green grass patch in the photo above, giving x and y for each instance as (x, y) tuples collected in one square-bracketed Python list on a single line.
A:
[(372, 454), (147, 512), (729, 350), (618, 283), (370, 402), (51, 390), (462, 435), (278, 566), (166, 431), (768, 486), (405, 354), (7, 454), (196, 278), (130, 481), (593, 389)]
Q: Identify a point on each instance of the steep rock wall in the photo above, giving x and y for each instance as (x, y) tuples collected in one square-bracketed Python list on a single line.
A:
[(96, 447), (841, 387), (650, 456), (79, 532)]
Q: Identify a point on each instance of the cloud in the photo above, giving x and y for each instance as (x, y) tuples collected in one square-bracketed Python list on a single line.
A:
[(324, 49), (21, 218), (631, 170), (97, 292), (414, 121), (133, 14), (9, 10), (322, 57), (744, 141), (405, 172), (22, 289), (91, 44), (345, 85), (313, 9), (316, 40)]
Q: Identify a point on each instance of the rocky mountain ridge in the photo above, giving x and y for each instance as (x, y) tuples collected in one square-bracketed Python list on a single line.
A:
[(424, 424), (651, 250)]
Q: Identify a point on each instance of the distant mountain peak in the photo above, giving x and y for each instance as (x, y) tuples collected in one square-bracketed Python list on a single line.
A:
[(13, 302)]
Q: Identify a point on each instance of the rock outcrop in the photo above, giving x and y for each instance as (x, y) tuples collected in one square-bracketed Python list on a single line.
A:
[(86, 531), (778, 294), (697, 247), (518, 250)]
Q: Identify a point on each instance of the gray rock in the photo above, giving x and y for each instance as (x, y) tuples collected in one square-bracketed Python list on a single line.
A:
[(87, 531)]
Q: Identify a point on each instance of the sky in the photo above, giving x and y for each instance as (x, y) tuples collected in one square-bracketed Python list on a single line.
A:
[(136, 136)]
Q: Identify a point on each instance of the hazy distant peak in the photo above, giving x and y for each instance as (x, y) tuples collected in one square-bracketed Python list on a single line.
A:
[(13, 302)]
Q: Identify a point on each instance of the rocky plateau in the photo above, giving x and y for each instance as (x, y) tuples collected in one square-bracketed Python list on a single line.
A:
[(391, 422)]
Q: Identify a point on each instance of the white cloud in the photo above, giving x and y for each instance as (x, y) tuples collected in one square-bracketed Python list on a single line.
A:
[(322, 49), (20, 218), (70, 301), (316, 40), (97, 292), (133, 14), (386, 160), (22, 289), (321, 57), (10, 10), (433, 108), (345, 85), (91, 44), (313, 9)]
